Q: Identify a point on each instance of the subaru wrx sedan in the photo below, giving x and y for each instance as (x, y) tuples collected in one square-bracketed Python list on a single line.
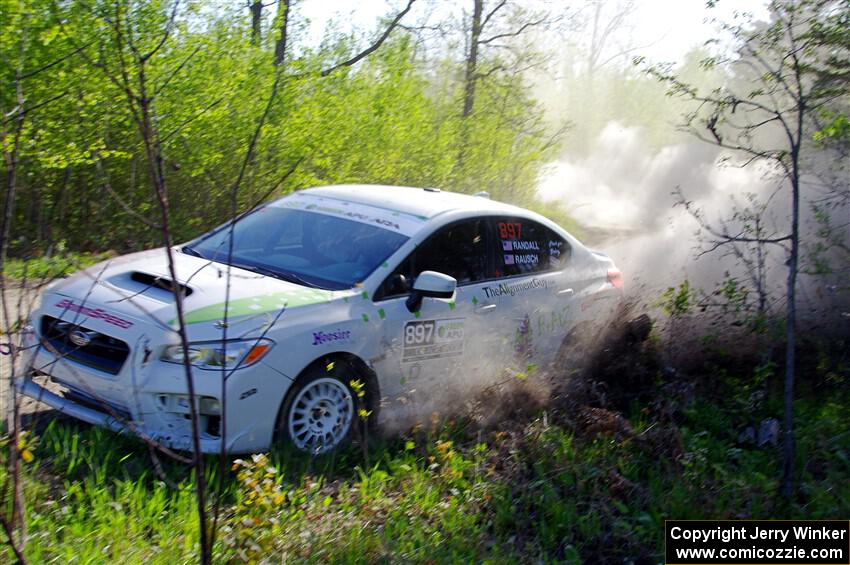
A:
[(310, 312)]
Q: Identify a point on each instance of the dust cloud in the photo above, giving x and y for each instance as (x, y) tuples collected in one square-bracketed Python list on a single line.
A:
[(624, 192)]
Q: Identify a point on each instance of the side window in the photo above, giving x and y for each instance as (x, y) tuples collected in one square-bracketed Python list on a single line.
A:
[(524, 246), (399, 282), (459, 250)]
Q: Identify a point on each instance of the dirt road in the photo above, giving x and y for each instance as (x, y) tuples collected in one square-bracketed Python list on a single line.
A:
[(19, 301)]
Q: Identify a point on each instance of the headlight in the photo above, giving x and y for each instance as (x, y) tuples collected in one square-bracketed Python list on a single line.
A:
[(212, 356)]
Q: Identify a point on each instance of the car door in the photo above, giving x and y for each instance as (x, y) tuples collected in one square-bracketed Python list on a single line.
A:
[(536, 289), (444, 345)]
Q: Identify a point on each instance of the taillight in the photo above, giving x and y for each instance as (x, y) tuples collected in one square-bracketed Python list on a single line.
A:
[(615, 277)]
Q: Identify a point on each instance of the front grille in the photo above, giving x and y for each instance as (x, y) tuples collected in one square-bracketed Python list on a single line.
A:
[(102, 352)]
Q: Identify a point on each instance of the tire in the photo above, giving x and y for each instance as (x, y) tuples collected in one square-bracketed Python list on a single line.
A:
[(575, 348), (319, 412)]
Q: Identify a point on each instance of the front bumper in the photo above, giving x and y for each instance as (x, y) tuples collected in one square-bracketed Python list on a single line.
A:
[(148, 397), (113, 421)]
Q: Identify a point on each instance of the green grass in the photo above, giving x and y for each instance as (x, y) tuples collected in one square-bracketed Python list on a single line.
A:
[(42, 268), (533, 491)]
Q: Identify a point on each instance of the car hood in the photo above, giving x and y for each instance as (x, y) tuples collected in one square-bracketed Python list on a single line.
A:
[(138, 285)]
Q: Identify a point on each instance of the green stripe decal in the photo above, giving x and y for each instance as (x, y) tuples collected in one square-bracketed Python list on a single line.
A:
[(259, 304)]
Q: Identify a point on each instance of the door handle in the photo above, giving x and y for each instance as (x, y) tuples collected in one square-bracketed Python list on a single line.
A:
[(485, 309), (566, 292)]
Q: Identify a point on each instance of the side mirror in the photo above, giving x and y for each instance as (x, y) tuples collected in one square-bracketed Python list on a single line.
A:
[(432, 285)]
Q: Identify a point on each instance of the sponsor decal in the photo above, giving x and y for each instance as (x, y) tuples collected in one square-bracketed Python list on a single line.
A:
[(365, 218), (402, 222), (523, 340), (554, 320), (506, 289), (321, 338), (433, 339), (97, 313)]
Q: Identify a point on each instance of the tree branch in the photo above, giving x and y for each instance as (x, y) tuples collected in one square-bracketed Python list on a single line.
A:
[(165, 35), (56, 62), (174, 73), (522, 28), (492, 13), (372, 48), (192, 118)]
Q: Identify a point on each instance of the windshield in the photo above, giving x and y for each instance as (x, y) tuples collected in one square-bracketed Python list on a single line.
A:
[(303, 247)]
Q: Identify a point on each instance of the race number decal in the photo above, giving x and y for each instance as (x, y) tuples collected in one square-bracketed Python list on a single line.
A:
[(510, 230), (433, 339)]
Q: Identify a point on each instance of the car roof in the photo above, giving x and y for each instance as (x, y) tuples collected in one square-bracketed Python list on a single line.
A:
[(424, 203)]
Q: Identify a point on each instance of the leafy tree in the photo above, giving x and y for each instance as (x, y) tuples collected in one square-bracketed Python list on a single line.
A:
[(344, 112), (785, 73), (489, 28)]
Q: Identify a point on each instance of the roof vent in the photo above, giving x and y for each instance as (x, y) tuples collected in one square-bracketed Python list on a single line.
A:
[(483, 194)]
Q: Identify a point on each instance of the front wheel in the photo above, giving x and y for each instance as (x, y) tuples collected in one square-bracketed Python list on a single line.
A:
[(318, 413)]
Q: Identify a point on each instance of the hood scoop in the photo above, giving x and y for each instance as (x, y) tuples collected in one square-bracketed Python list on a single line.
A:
[(157, 283)]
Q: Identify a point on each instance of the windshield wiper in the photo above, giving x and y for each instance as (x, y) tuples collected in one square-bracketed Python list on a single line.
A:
[(292, 277), (282, 275)]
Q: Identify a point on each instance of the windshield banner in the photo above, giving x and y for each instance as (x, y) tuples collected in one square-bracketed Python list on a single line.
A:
[(393, 220)]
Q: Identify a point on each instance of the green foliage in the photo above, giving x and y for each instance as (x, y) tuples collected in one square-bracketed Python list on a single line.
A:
[(50, 267), (734, 293), (733, 302), (538, 490), (678, 301), (260, 501), (837, 127), (828, 250), (388, 120)]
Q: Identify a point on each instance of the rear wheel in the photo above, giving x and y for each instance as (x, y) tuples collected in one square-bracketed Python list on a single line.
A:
[(575, 348), (319, 412)]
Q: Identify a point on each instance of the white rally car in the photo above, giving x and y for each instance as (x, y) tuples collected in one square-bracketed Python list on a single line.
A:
[(329, 301)]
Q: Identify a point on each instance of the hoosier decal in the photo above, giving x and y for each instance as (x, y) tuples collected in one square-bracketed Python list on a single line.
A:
[(320, 337)]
